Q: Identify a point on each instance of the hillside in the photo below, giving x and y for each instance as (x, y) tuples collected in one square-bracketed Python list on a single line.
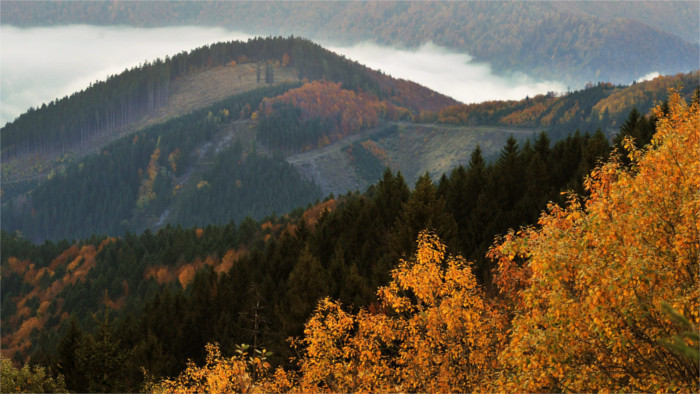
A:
[(262, 151), (355, 238), (184, 122), (68, 128), (603, 106), (566, 41), (68, 304)]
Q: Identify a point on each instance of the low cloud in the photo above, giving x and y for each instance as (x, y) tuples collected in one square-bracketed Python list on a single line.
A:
[(450, 73), (648, 77), (38, 65)]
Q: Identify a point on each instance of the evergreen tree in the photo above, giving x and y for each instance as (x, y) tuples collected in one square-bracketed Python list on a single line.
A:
[(67, 362), (423, 210), (636, 126), (307, 283), (102, 360)]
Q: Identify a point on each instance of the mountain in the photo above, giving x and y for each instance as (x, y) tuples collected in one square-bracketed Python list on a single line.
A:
[(256, 283), (195, 148), (575, 42), (342, 297), (210, 282), (236, 130)]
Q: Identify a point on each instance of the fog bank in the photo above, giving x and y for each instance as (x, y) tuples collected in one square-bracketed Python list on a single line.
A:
[(450, 73), (38, 65)]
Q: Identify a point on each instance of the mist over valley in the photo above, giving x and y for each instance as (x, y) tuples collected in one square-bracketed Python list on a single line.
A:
[(82, 54)]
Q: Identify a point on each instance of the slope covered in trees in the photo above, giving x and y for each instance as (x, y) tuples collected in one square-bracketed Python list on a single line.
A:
[(168, 177), (133, 181), (601, 295), (343, 248), (602, 106), (635, 223), (108, 108), (568, 42)]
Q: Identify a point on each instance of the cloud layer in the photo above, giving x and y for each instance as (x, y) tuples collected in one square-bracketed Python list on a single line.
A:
[(38, 65), (447, 72)]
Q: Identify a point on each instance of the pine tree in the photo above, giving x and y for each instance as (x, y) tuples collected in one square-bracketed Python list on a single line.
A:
[(307, 283), (423, 210), (67, 363)]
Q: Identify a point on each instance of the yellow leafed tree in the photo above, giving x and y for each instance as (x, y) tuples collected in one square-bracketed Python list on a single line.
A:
[(433, 332), (589, 289), (237, 374)]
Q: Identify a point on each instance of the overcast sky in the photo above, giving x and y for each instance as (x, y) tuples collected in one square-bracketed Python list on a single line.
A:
[(38, 65)]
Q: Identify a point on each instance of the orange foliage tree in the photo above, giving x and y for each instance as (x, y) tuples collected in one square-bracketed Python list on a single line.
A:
[(350, 110), (589, 288), (433, 332), (241, 373)]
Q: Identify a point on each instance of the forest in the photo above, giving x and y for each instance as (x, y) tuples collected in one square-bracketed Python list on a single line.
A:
[(589, 284), (157, 184)]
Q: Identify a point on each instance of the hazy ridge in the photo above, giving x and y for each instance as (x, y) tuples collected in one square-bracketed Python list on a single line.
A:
[(569, 42)]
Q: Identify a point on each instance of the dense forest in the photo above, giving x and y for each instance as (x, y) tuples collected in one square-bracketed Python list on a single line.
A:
[(258, 283), (566, 41), (131, 181)]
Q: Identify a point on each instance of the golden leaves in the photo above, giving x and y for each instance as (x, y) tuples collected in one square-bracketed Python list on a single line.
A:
[(437, 333), (219, 374), (586, 301)]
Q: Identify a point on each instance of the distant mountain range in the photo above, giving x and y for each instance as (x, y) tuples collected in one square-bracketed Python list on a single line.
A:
[(576, 42)]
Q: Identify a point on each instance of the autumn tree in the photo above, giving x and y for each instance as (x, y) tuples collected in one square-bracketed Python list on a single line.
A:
[(432, 331), (219, 374), (587, 288), (28, 379)]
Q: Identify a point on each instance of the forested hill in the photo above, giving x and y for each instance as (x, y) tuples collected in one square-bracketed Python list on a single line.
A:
[(601, 105), (194, 278), (278, 146), (94, 310), (122, 101), (190, 161), (567, 41)]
